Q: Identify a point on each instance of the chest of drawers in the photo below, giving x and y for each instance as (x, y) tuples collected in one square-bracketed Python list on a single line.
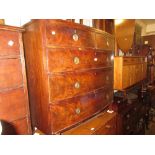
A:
[(14, 105), (70, 73)]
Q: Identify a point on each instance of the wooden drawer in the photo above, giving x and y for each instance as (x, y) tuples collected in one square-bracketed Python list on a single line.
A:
[(18, 127), (74, 59), (102, 124), (63, 35), (9, 43), (68, 85), (12, 105), (104, 42), (10, 73), (72, 111)]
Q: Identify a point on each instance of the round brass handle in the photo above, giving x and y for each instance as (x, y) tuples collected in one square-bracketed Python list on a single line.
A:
[(107, 78), (76, 60), (107, 43), (95, 59), (108, 126), (78, 111), (10, 43), (77, 85), (75, 37), (107, 59), (128, 116), (107, 97)]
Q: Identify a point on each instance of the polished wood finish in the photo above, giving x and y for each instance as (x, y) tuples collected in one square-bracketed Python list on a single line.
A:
[(14, 105), (102, 124), (128, 71), (68, 66)]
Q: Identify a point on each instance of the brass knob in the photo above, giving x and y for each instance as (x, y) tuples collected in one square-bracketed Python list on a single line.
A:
[(95, 59), (77, 85), (77, 111), (53, 33), (127, 127), (107, 97), (108, 126), (75, 37), (10, 43), (107, 59), (107, 78), (76, 60), (107, 43), (128, 116)]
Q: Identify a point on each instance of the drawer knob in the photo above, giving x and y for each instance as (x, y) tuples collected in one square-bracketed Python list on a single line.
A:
[(127, 127), (76, 60), (107, 59), (78, 111), (75, 37), (107, 43), (128, 116), (107, 97), (10, 43), (108, 126), (107, 78), (53, 33), (95, 59), (92, 129), (77, 85)]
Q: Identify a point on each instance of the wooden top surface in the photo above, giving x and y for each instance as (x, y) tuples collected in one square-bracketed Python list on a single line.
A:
[(11, 28)]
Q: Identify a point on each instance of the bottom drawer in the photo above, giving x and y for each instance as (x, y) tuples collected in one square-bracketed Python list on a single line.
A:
[(72, 111), (18, 127), (102, 124)]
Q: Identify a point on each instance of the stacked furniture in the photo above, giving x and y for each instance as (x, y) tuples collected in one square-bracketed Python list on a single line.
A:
[(70, 74), (14, 105)]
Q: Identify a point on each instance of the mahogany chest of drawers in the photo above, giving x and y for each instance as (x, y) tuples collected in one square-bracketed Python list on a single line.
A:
[(128, 71), (14, 105), (70, 73)]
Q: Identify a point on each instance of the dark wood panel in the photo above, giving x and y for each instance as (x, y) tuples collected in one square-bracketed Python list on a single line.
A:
[(17, 127), (10, 73), (69, 112), (70, 84), (63, 35), (13, 104), (9, 43), (74, 59), (104, 42), (103, 123)]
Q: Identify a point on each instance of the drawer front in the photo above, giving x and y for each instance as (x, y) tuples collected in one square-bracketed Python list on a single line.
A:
[(72, 111), (62, 35), (71, 84), (77, 59), (18, 127), (108, 129), (105, 42), (103, 123), (12, 105), (10, 73), (9, 43)]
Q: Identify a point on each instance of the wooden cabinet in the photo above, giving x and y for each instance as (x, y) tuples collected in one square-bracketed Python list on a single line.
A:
[(70, 73), (14, 105), (128, 71)]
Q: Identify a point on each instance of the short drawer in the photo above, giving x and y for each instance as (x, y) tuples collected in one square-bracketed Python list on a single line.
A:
[(67, 85), (69, 112), (105, 42), (10, 73), (9, 43), (17, 127), (77, 59), (12, 105), (102, 124), (58, 34)]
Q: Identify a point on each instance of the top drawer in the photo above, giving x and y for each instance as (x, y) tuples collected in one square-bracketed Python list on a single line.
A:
[(63, 35), (104, 42), (9, 43)]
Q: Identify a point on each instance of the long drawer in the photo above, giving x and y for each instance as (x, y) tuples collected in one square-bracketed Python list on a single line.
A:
[(12, 104), (58, 34), (72, 111), (10, 73), (102, 124), (9, 43), (60, 60), (67, 85)]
